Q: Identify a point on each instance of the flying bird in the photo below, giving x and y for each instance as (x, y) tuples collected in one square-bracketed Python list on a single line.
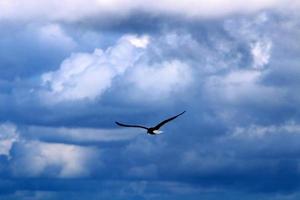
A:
[(152, 130)]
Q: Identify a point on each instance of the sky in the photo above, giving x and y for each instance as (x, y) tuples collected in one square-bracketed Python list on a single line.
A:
[(70, 68)]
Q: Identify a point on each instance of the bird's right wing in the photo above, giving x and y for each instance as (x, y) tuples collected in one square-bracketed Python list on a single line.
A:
[(133, 126), (166, 121)]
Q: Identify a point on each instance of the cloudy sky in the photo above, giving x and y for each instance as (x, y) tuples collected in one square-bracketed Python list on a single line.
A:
[(70, 68)]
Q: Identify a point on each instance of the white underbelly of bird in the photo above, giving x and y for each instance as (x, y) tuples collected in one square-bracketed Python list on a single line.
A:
[(157, 132)]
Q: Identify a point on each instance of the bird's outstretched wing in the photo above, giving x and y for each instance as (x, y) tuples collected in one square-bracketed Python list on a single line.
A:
[(166, 121), (133, 126)]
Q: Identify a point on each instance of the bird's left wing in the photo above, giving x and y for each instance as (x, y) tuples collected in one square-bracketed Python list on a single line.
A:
[(166, 121), (133, 126)]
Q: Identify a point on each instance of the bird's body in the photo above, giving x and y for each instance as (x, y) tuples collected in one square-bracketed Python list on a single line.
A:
[(152, 130)]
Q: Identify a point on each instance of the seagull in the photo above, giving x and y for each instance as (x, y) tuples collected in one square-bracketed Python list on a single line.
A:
[(152, 130)]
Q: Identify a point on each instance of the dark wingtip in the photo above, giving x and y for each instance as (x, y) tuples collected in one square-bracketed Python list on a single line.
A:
[(117, 123)]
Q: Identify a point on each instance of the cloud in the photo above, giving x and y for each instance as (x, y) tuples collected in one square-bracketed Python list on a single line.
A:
[(87, 76), (253, 34), (261, 54), (140, 42), (53, 34), (29, 49), (236, 77), (237, 86), (160, 81), (8, 136), (26, 11), (52, 160), (78, 10), (258, 132), (77, 135)]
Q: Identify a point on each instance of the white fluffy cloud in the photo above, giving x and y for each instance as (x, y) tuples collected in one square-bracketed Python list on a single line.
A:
[(33, 158), (8, 135), (75, 10), (160, 81), (261, 53), (87, 76)]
